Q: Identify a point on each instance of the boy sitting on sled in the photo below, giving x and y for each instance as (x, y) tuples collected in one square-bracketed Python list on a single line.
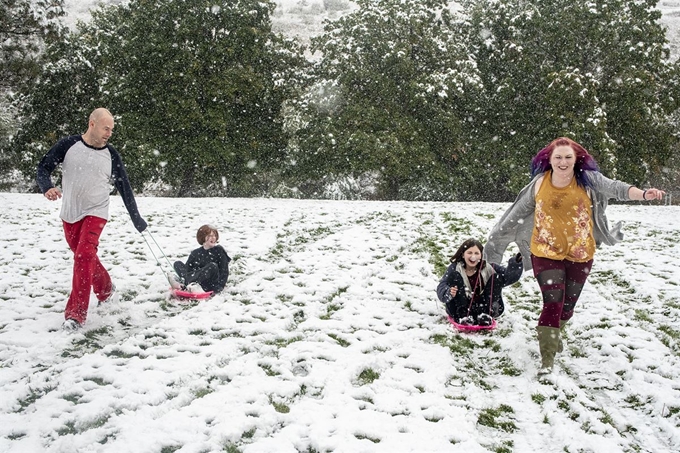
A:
[(471, 288), (207, 266)]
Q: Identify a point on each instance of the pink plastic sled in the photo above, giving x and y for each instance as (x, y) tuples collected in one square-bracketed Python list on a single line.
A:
[(471, 328), (180, 294)]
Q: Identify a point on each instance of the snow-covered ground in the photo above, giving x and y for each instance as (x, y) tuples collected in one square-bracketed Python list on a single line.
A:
[(328, 338)]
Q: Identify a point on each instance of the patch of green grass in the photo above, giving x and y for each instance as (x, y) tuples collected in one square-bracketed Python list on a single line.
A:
[(458, 345), (340, 341), (612, 278), (284, 297), (508, 368), (148, 336), (375, 440), (232, 334), (434, 250), (68, 428), (201, 392), (504, 447), (538, 398), (365, 398), (587, 427), (170, 448), (97, 422), (671, 410), (97, 380), (281, 408), (434, 419), (16, 436), (458, 226), (330, 309), (497, 418), (231, 448), (492, 344), (118, 353), (603, 324), (299, 316), (283, 342), (367, 376), (268, 369), (642, 315), (88, 342), (564, 405), (577, 352), (72, 397), (33, 396), (607, 419), (330, 306), (671, 332)]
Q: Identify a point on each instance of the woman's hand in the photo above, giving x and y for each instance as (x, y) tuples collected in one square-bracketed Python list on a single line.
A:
[(653, 194), (453, 291)]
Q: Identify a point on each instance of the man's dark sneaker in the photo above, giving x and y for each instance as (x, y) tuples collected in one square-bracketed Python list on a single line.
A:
[(484, 320), (70, 325)]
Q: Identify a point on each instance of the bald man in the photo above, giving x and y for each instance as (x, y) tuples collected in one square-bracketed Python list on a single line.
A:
[(89, 166)]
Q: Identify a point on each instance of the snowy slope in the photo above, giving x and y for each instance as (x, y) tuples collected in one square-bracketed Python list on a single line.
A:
[(328, 338)]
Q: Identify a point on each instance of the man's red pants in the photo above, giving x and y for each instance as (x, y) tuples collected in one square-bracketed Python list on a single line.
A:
[(88, 273)]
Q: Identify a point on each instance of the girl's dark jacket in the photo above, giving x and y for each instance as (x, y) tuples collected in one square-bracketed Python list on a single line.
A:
[(500, 277)]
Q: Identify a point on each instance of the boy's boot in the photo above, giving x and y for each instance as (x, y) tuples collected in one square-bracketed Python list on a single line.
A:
[(560, 346), (548, 342)]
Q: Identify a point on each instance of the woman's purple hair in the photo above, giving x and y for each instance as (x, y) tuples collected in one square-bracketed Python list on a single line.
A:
[(584, 161)]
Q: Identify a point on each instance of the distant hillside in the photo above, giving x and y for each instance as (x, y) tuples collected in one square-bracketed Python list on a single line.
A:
[(304, 18), (671, 19), (300, 18)]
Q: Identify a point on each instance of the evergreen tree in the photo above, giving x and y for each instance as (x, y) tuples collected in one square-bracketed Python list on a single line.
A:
[(389, 100), (597, 71), (58, 103), (26, 27), (196, 86)]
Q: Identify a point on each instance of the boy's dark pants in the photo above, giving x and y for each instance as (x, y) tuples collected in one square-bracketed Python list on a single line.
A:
[(206, 276)]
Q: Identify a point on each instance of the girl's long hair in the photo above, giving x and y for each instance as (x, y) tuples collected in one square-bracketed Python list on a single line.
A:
[(458, 256), (584, 161)]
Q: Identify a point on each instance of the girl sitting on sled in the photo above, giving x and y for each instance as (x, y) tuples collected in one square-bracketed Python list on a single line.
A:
[(471, 288)]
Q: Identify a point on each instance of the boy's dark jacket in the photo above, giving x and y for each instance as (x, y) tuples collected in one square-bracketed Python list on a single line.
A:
[(201, 257)]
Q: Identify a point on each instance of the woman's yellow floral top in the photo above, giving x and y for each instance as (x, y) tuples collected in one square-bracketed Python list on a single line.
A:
[(563, 225)]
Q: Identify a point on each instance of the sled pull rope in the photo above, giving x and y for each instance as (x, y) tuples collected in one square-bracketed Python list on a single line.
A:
[(158, 247), (474, 289), (491, 295)]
